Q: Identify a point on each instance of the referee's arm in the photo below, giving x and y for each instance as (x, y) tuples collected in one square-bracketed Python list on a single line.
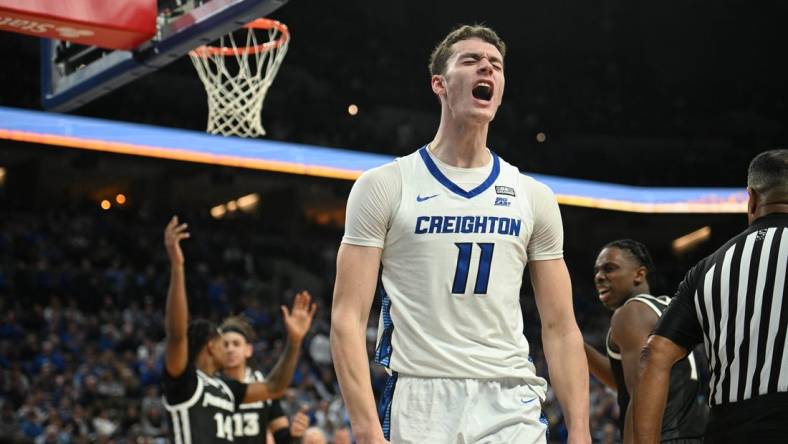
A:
[(651, 394)]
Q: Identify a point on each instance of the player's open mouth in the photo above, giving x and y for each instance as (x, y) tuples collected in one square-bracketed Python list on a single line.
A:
[(603, 294), (483, 90)]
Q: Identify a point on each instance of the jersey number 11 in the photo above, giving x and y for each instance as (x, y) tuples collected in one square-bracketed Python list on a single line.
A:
[(464, 263)]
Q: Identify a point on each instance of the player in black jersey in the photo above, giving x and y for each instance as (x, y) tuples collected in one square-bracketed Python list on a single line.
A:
[(264, 416), (201, 405), (621, 276)]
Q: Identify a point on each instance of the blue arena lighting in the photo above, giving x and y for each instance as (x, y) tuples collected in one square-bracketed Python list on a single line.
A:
[(150, 141)]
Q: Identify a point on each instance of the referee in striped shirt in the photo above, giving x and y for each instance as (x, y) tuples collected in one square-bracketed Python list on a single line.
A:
[(733, 301)]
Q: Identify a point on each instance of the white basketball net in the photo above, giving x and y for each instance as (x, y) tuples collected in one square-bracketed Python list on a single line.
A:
[(236, 92)]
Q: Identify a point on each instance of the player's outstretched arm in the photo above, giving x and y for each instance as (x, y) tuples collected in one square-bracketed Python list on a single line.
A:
[(648, 401), (599, 366), (176, 318), (563, 344), (354, 291), (297, 322)]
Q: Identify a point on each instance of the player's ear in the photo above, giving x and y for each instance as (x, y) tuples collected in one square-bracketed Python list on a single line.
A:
[(640, 275), (438, 85), (248, 351), (217, 346)]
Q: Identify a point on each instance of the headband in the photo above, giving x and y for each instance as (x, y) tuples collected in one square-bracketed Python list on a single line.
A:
[(234, 329)]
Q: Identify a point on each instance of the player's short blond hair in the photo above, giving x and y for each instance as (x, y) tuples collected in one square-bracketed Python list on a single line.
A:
[(442, 52), (238, 324)]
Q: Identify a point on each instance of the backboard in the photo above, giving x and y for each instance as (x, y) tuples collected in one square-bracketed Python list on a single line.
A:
[(73, 74)]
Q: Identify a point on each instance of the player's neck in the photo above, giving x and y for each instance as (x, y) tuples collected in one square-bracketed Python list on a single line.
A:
[(638, 290), (461, 144), (237, 373)]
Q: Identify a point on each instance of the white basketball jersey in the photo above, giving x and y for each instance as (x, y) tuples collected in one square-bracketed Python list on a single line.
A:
[(452, 267)]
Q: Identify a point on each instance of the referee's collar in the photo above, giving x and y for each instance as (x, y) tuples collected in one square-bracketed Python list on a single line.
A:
[(768, 218)]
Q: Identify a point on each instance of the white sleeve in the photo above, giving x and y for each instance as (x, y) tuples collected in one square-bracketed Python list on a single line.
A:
[(547, 239), (372, 203)]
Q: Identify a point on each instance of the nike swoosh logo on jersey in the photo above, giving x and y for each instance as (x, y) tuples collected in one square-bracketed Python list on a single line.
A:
[(422, 199), (527, 401)]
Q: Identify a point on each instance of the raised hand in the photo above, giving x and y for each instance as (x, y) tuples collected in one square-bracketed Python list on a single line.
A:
[(299, 423), (173, 235), (298, 321)]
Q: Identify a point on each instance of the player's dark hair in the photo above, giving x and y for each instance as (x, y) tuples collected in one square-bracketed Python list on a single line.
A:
[(442, 52), (768, 173), (199, 333), (238, 324), (638, 252)]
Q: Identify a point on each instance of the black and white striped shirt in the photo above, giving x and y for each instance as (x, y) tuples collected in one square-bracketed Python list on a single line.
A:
[(734, 301)]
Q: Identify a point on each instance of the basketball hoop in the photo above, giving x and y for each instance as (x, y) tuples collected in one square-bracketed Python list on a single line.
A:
[(236, 93)]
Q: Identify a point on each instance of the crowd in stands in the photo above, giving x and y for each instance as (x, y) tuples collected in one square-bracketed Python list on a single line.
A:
[(81, 323)]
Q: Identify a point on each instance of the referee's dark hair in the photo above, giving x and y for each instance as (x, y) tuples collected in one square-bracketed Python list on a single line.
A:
[(640, 253), (199, 333), (768, 176)]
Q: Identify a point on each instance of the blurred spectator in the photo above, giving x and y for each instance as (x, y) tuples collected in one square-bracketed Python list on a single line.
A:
[(81, 341), (314, 435)]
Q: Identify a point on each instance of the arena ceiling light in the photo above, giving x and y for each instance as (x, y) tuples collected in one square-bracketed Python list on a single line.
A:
[(245, 203), (691, 240)]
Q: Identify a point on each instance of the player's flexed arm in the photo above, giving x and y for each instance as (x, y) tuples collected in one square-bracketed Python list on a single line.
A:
[(354, 291), (563, 344), (369, 208), (561, 338)]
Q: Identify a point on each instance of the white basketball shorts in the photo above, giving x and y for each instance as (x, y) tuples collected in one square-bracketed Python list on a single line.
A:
[(461, 411)]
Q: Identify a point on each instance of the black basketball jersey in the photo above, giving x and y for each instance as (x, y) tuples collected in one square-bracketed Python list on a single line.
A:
[(685, 414), (202, 407), (255, 416)]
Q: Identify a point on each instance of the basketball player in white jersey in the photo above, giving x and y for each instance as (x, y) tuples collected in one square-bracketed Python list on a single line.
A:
[(451, 228)]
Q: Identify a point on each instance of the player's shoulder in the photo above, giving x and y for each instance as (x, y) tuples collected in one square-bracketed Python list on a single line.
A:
[(635, 308), (633, 317), (648, 302), (535, 189), (383, 175)]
